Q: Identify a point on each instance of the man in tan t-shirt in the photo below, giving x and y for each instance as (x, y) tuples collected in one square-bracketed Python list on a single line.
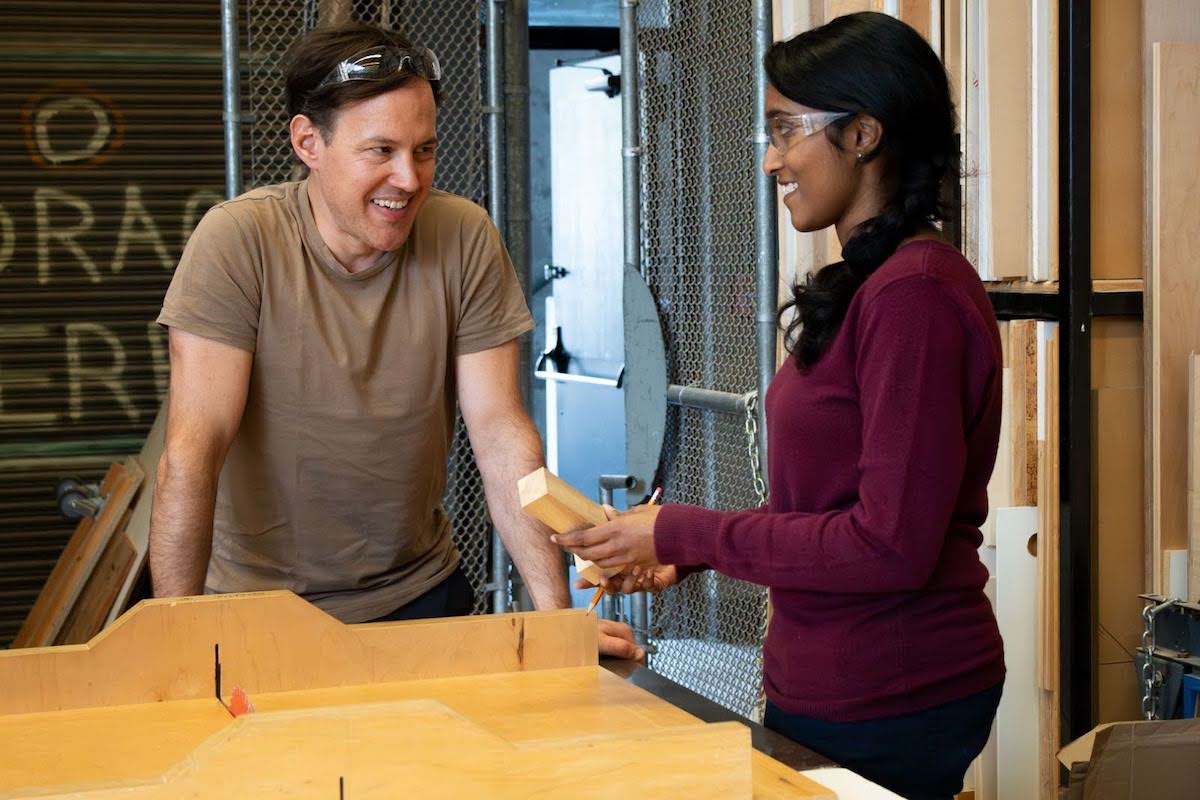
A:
[(320, 334)]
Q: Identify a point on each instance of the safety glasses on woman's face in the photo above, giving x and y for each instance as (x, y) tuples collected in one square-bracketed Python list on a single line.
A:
[(783, 129), (377, 63)]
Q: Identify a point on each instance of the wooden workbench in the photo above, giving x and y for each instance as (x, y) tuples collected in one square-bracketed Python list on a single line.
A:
[(489, 706)]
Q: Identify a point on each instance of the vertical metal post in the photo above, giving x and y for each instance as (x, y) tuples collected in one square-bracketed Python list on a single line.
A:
[(1077, 553), (516, 155), (765, 228), (232, 116), (631, 146), (495, 112), (497, 206)]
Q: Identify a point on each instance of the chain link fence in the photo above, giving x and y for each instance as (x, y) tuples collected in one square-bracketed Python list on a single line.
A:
[(698, 251), (451, 28)]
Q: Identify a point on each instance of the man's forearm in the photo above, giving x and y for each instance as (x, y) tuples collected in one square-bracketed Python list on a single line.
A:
[(504, 458), (181, 530)]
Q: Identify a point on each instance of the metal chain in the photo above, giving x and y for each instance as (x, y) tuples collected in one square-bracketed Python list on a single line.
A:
[(1151, 678), (756, 474)]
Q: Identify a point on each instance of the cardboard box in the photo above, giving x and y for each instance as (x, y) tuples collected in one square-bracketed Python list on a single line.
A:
[(1124, 760)]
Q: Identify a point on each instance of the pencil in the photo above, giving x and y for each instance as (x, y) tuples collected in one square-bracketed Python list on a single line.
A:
[(600, 589)]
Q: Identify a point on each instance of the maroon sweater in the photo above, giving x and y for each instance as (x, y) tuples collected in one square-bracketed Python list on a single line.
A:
[(879, 459)]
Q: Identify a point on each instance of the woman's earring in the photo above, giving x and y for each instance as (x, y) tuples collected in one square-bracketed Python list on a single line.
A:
[(861, 156)]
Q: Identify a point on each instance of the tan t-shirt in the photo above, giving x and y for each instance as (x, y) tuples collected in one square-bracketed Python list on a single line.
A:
[(333, 485)]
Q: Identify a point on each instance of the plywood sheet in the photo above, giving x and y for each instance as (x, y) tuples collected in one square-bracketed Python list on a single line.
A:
[(1007, 90), (275, 641), (423, 748), (1117, 172), (1174, 287)]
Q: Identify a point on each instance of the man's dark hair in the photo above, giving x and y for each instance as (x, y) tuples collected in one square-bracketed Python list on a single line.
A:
[(315, 54)]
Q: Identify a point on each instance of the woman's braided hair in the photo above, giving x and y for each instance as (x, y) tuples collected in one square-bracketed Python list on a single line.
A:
[(869, 63)]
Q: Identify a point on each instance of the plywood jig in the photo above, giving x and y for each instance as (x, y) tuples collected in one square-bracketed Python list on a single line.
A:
[(501, 706)]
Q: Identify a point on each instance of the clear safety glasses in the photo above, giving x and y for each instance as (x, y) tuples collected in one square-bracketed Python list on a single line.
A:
[(381, 62), (784, 128)]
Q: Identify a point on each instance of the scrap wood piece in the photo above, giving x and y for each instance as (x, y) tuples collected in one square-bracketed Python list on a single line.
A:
[(1193, 478), (563, 508), (79, 558), (1023, 400)]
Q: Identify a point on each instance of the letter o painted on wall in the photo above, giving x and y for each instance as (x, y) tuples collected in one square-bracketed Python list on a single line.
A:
[(71, 125)]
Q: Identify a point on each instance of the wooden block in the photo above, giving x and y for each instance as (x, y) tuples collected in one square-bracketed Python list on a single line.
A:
[(1173, 287), (79, 558), (1023, 427), (1007, 91), (171, 642), (562, 508), (1117, 211)]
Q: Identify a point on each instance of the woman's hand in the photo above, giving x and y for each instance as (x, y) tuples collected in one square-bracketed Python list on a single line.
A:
[(626, 540)]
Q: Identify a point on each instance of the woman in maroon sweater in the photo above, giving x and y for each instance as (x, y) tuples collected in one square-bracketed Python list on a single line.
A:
[(883, 652)]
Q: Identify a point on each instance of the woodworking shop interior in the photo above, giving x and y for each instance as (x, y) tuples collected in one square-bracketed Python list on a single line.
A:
[(600, 398)]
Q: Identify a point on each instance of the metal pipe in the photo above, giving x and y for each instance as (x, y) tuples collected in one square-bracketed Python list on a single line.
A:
[(497, 207), (232, 115), (707, 399), (631, 147), (516, 135), (495, 112), (765, 228)]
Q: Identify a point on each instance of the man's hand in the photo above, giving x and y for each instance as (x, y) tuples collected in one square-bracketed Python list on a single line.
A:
[(616, 640), (636, 579)]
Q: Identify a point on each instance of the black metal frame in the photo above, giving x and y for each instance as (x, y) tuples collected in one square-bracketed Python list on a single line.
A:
[(1074, 307)]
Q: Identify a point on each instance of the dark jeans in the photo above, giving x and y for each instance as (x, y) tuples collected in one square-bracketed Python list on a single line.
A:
[(453, 597), (920, 756)]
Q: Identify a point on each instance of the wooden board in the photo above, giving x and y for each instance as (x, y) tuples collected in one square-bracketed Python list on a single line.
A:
[(1193, 477), (1173, 288), (1043, 146), (79, 558), (1116, 128), (1048, 524), (274, 641), (100, 592), (138, 529), (1007, 91), (1023, 428), (1118, 466), (562, 508)]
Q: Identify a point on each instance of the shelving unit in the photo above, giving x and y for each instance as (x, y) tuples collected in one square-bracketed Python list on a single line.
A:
[(1074, 304)]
